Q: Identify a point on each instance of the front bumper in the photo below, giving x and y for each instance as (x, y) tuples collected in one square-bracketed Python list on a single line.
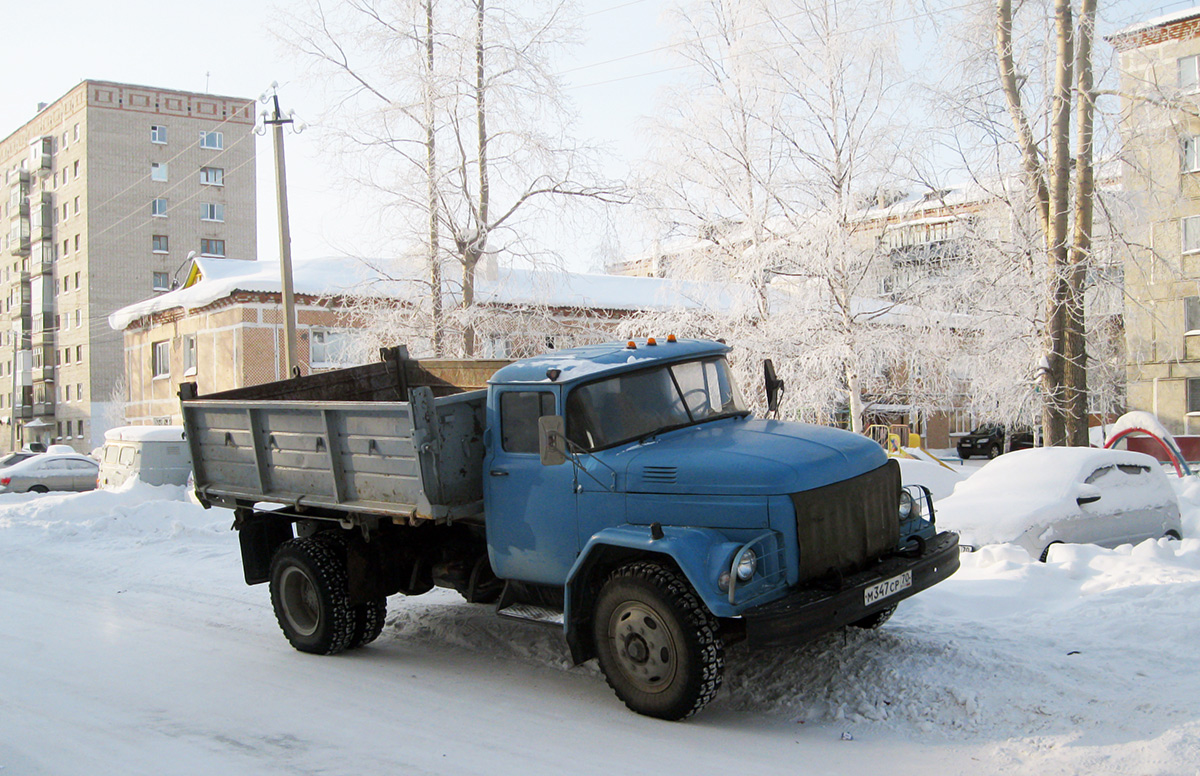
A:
[(809, 612)]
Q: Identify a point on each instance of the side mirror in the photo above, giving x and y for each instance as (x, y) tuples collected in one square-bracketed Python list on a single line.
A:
[(551, 440), (1088, 494), (774, 385)]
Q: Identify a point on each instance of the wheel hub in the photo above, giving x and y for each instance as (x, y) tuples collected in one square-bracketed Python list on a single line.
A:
[(645, 648), (636, 649), (301, 606)]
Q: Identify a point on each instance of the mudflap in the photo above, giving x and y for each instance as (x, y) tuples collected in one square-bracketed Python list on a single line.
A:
[(259, 537)]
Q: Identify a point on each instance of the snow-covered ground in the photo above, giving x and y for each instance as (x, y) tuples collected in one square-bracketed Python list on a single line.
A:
[(130, 645)]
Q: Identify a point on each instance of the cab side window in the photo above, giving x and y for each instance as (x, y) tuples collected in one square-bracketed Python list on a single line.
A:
[(519, 413)]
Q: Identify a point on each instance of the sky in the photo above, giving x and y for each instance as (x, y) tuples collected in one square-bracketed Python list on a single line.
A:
[(228, 47)]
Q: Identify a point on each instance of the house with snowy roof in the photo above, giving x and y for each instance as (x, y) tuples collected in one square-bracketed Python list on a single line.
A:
[(222, 328)]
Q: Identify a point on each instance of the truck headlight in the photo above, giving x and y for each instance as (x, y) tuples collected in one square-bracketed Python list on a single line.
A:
[(746, 565), (906, 505)]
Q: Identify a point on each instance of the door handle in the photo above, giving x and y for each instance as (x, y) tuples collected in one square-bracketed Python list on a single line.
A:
[(498, 473)]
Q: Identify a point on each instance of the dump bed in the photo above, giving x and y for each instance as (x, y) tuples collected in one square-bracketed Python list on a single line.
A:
[(345, 440)]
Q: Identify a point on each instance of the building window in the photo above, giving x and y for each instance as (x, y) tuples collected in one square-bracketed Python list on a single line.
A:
[(76, 243), (66, 393), (160, 362), (76, 206), (213, 140), (158, 243), (66, 214), (1189, 73), (76, 172), (78, 319), (212, 176), (158, 207), (158, 172), (1191, 233), (212, 211), (162, 281), (76, 132), (212, 247), (189, 355), (329, 347), (66, 247), (158, 133)]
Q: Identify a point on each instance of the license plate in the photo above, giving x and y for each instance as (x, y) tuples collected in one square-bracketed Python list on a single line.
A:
[(887, 587)]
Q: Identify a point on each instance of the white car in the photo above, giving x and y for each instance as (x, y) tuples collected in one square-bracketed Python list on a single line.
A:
[(1055, 495), (50, 471)]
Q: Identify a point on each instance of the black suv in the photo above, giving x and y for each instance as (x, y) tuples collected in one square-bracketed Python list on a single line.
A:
[(989, 441)]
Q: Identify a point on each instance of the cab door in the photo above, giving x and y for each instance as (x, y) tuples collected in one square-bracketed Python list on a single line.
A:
[(530, 508)]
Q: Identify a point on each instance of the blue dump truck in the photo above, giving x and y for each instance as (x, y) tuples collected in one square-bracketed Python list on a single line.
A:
[(621, 492)]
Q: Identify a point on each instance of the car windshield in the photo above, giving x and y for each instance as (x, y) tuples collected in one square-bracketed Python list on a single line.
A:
[(639, 404), (986, 431)]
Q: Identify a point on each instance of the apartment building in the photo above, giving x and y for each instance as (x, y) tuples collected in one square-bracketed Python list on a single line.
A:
[(110, 188), (1160, 127)]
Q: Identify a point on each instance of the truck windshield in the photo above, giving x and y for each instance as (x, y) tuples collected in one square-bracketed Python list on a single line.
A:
[(639, 404)]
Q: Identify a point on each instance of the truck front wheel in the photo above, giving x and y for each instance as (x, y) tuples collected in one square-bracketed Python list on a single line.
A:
[(657, 644), (308, 591)]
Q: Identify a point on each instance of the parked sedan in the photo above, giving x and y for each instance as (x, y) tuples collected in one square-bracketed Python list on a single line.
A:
[(1054, 495), (50, 471)]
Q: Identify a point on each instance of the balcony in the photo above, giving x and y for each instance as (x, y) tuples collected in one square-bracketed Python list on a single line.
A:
[(43, 409), (43, 154), (18, 238)]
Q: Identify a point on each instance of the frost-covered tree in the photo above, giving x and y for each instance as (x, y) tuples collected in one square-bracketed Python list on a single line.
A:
[(451, 112), (769, 156)]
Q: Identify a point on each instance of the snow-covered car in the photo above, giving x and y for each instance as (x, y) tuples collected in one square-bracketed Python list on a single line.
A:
[(50, 471), (1056, 495)]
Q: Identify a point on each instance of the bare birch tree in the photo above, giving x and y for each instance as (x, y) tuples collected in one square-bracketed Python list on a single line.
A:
[(457, 100), (1063, 205)]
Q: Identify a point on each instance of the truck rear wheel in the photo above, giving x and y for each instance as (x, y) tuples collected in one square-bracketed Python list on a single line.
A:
[(656, 642), (308, 591), (369, 617), (368, 622)]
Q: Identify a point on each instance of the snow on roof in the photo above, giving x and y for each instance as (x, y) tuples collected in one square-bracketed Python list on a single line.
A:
[(1158, 21), (218, 278), (145, 434)]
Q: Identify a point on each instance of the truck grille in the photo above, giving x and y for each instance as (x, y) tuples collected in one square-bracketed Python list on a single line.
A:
[(843, 527)]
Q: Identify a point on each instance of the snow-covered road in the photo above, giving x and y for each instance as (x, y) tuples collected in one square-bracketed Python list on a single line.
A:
[(129, 644)]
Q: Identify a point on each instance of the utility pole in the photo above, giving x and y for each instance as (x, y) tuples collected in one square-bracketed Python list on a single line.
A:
[(285, 239)]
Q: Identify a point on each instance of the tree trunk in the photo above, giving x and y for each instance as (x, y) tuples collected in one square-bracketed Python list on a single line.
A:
[(1081, 248), (476, 248), (854, 389), (1030, 159), (1053, 382), (435, 266)]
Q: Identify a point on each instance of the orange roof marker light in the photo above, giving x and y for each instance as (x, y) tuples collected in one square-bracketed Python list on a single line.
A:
[(651, 341), (631, 345), (671, 338)]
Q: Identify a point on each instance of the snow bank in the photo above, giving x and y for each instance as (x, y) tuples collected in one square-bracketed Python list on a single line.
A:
[(137, 511)]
